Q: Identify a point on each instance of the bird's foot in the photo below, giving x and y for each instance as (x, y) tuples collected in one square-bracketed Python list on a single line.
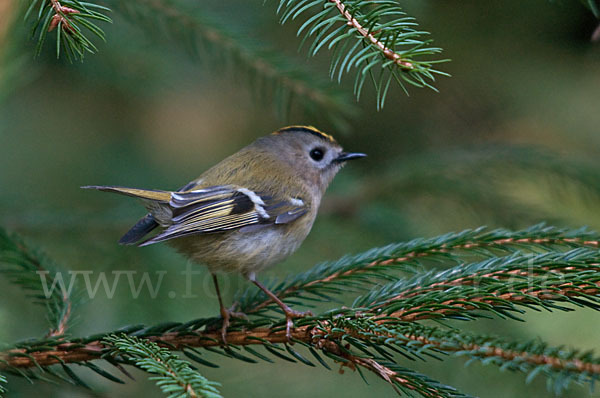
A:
[(226, 315), (290, 315), (236, 314)]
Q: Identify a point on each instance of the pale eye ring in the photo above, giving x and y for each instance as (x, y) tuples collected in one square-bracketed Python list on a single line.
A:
[(317, 154)]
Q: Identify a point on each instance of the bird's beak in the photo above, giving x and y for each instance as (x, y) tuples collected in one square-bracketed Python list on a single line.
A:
[(344, 156)]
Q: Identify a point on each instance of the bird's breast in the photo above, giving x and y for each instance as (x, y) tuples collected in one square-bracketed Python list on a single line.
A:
[(246, 252)]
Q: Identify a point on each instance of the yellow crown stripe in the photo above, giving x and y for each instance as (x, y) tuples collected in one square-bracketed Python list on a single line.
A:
[(306, 129)]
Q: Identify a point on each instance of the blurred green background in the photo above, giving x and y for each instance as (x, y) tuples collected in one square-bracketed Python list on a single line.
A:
[(510, 140)]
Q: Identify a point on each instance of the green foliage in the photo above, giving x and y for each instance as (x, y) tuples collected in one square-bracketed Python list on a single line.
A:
[(517, 273), (407, 382), (26, 267), (533, 358), (361, 272), (175, 377), (2, 383), (594, 6), (376, 38), (72, 22), (400, 290), (509, 355), (478, 273)]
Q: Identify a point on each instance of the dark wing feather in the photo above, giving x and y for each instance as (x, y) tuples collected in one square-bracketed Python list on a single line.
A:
[(141, 228), (291, 215), (146, 224), (225, 208)]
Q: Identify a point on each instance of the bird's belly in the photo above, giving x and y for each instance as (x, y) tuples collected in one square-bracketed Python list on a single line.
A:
[(244, 252)]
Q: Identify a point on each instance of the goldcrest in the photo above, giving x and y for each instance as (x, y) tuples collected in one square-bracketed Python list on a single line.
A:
[(249, 211)]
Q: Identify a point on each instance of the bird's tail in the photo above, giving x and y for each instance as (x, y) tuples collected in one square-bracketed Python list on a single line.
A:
[(154, 200), (148, 194)]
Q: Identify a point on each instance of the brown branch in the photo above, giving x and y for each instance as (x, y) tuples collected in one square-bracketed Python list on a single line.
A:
[(60, 16), (392, 377), (524, 295), (312, 334), (472, 280), (494, 351), (387, 52), (70, 352), (62, 324), (577, 365)]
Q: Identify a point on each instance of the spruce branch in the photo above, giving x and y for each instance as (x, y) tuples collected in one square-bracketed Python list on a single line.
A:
[(498, 285), (25, 267), (152, 354), (496, 272), (328, 324), (174, 376), (3, 382), (559, 364), (362, 271), (73, 22), (370, 36), (375, 38), (374, 338), (273, 76), (404, 381)]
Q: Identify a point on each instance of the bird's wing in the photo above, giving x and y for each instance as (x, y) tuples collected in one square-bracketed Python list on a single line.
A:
[(225, 208), (148, 223)]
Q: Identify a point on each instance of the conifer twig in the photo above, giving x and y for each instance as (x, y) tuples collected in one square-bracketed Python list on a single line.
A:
[(375, 38), (173, 375), (60, 16), (72, 21), (450, 248), (387, 52), (2, 384), (24, 267), (61, 327)]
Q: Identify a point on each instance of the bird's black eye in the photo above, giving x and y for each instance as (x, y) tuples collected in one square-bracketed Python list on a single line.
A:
[(317, 154)]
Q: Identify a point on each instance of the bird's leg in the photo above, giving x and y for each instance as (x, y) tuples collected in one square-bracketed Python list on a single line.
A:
[(226, 313), (290, 314)]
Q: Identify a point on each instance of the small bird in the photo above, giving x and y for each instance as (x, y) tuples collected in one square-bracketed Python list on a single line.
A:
[(248, 212)]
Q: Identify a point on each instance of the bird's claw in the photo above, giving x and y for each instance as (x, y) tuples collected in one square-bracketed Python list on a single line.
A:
[(226, 315), (290, 314), (236, 314)]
